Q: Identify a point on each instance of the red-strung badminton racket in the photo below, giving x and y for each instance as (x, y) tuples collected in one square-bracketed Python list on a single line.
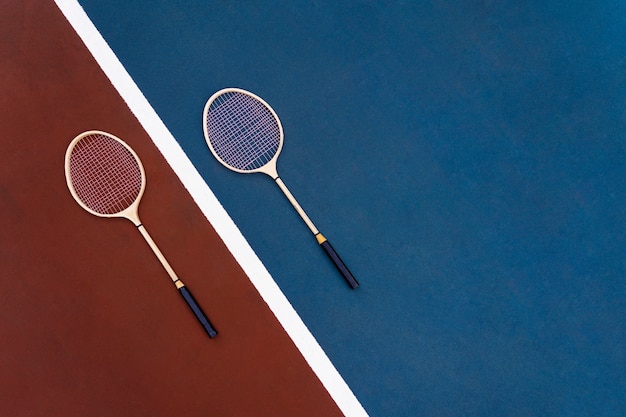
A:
[(106, 178), (244, 134)]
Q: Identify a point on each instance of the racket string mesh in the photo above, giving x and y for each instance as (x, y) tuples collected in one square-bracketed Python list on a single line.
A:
[(243, 132), (105, 175)]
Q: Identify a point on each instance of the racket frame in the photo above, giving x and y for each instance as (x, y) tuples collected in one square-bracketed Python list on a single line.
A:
[(269, 167), (132, 211)]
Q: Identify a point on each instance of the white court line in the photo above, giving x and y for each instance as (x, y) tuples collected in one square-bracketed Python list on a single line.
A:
[(212, 209)]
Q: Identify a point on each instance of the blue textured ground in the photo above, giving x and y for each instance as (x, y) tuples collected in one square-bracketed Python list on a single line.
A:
[(466, 159)]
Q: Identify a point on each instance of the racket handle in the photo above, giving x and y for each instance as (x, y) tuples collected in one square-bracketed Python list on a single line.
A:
[(195, 307), (347, 275)]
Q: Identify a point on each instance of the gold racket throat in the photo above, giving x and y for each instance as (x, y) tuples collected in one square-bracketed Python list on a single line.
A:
[(320, 238)]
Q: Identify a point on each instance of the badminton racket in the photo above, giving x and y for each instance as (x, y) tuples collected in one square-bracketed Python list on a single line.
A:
[(106, 178), (245, 135)]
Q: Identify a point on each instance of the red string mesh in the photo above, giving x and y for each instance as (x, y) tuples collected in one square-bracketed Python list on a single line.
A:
[(104, 174)]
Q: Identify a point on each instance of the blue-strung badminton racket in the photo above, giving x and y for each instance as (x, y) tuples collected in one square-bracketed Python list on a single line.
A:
[(244, 134)]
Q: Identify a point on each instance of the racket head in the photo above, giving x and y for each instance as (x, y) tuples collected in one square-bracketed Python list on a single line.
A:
[(104, 175), (242, 131)]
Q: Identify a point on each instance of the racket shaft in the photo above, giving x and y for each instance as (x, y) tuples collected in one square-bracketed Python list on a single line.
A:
[(295, 205), (157, 252), (191, 302), (195, 307)]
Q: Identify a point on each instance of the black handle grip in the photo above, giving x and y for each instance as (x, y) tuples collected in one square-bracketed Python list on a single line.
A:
[(195, 307), (339, 264)]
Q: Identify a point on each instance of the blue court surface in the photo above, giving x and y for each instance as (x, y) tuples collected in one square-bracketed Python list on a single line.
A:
[(466, 160)]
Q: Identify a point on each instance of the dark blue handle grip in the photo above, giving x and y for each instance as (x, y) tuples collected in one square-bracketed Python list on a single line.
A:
[(339, 264), (195, 307)]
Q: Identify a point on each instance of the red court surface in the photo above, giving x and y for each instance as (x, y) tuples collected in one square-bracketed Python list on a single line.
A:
[(91, 323)]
